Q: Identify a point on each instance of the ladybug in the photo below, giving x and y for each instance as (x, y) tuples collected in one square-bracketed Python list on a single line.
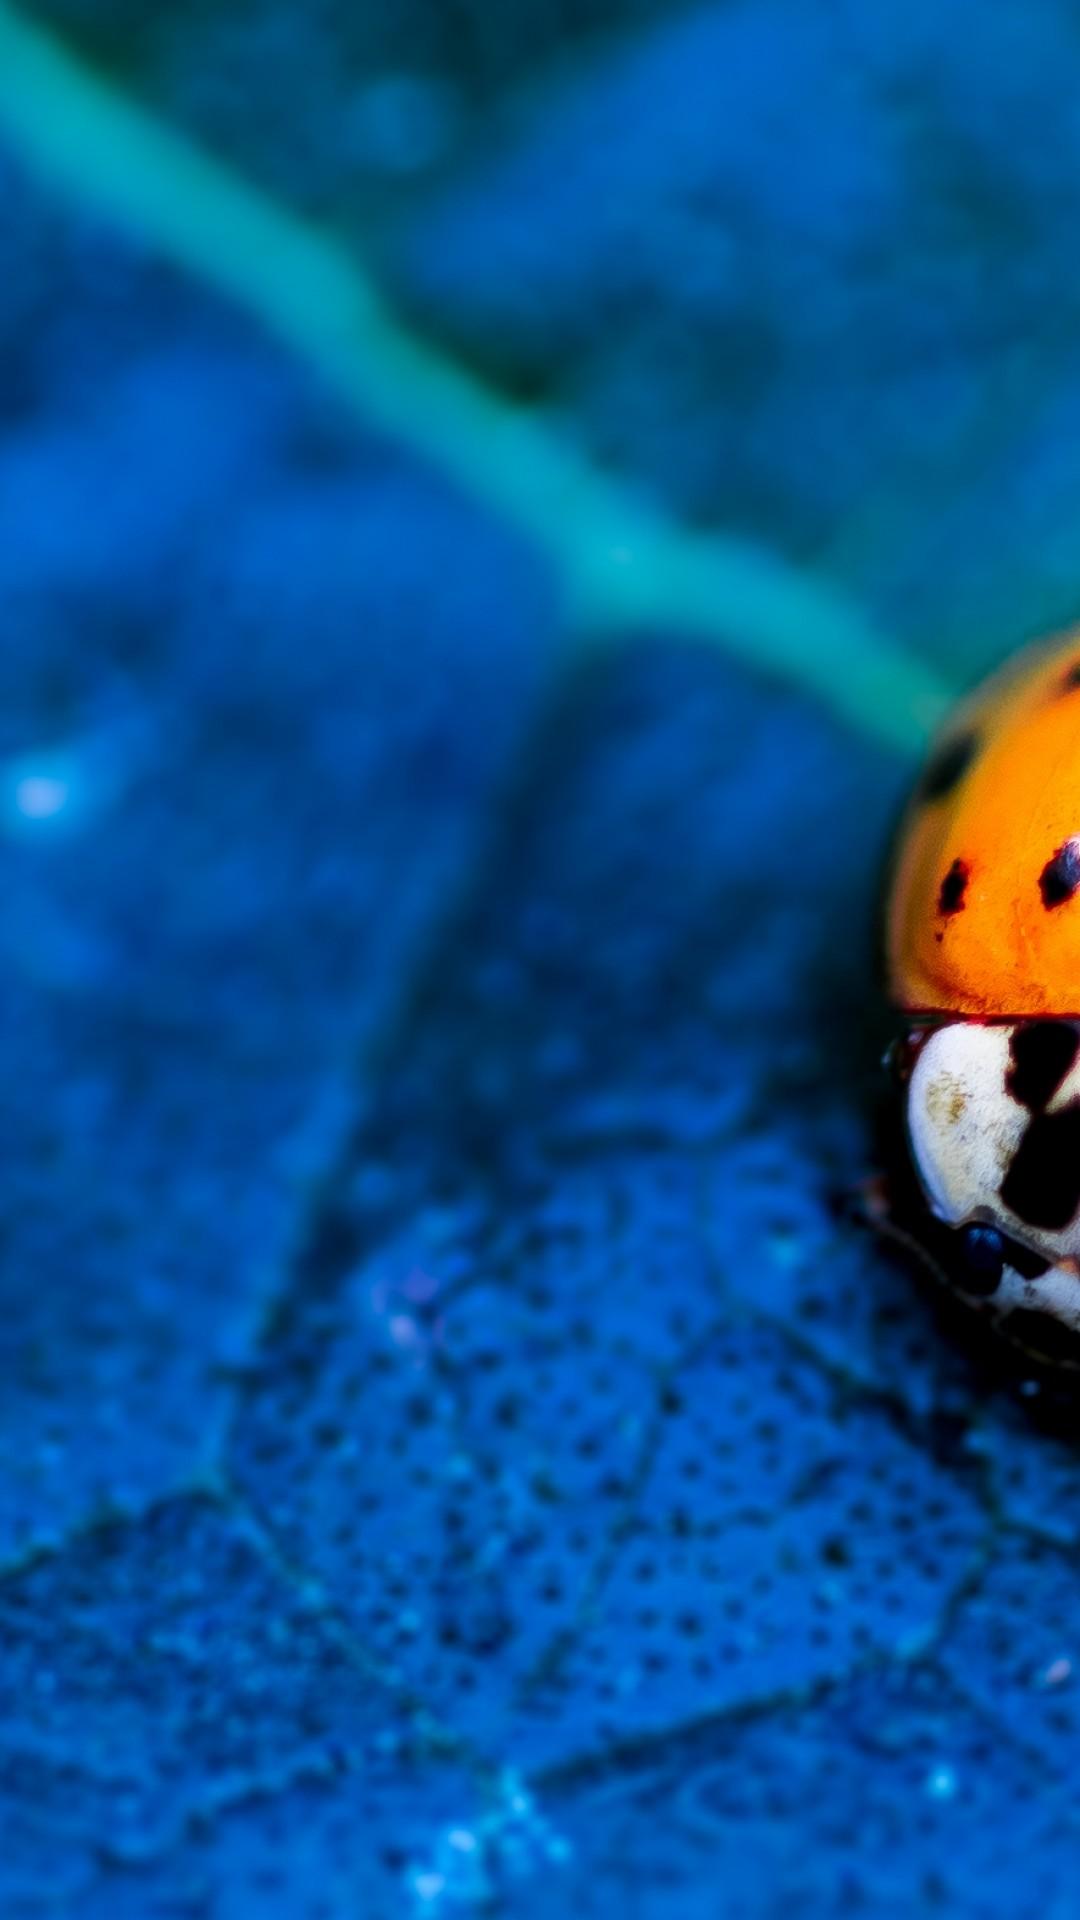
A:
[(983, 960)]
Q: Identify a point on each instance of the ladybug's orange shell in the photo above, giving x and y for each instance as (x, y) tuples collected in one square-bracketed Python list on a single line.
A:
[(983, 918)]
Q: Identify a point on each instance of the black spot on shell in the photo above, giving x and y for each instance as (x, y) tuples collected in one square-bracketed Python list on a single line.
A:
[(954, 887), (1042, 1185), (1060, 877), (1071, 678), (1040, 1334), (1042, 1052), (947, 767)]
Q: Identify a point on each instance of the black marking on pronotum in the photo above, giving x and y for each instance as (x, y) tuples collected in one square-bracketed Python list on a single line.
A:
[(1042, 1185), (954, 887), (1060, 877), (1030, 1266), (947, 767), (1042, 1051)]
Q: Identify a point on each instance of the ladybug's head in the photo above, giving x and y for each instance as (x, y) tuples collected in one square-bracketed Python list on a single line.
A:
[(993, 1125)]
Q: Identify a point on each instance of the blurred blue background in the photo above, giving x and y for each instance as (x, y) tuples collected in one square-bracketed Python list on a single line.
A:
[(458, 1453)]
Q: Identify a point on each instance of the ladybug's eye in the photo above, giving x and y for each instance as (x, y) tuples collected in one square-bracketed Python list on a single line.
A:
[(984, 1258)]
